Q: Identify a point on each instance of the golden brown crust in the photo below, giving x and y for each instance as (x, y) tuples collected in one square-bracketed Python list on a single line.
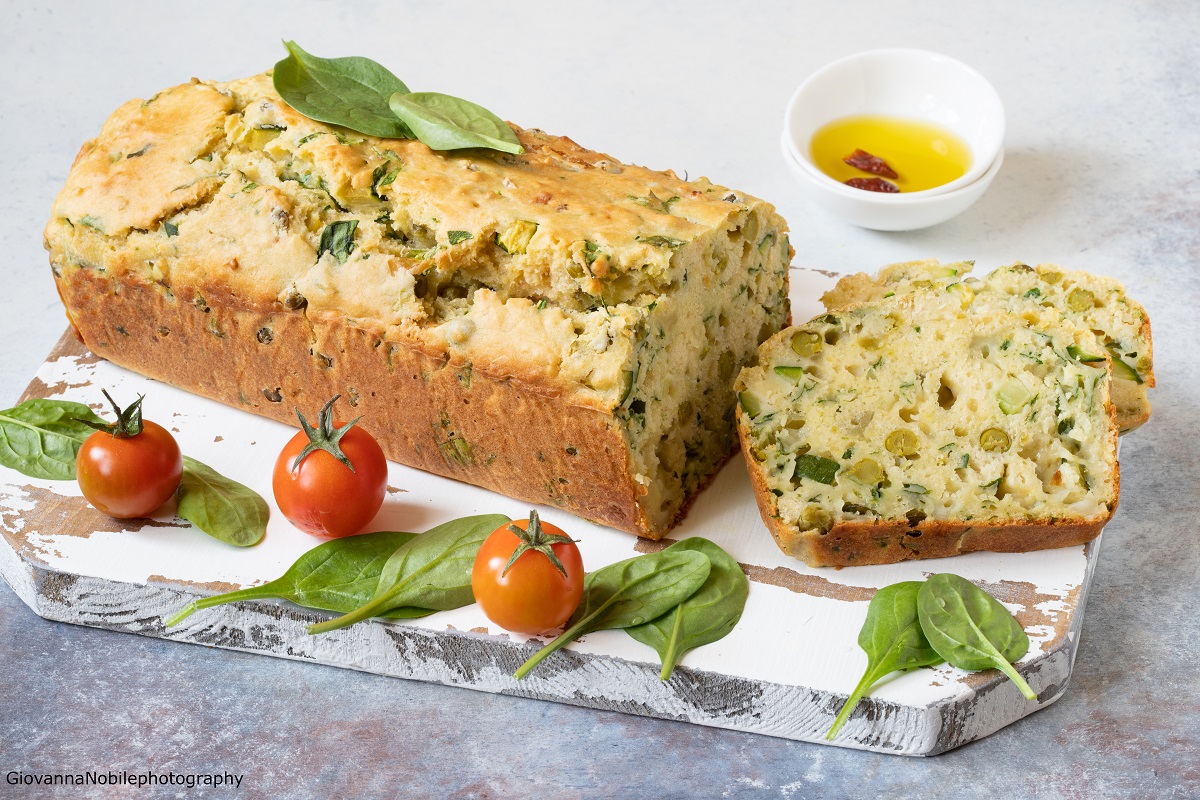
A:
[(233, 166), (116, 182), (889, 542), (850, 544), (454, 419)]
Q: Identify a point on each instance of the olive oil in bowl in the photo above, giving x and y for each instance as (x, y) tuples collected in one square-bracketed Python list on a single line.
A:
[(923, 155)]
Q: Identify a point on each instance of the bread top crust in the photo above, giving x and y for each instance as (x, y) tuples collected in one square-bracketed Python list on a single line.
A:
[(156, 159), (542, 266), (141, 166)]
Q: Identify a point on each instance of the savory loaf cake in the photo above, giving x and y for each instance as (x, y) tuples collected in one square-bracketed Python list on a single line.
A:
[(911, 428), (1095, 302), (557, 326)]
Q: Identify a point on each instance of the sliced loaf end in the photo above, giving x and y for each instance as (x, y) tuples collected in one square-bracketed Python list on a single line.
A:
[(914, 429)]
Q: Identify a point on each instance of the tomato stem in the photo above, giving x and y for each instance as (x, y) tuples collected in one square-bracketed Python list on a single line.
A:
[(534, 538), (129, 420), (325, 436)]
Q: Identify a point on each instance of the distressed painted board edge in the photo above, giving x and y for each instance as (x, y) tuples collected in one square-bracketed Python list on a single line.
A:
[(486, 663)]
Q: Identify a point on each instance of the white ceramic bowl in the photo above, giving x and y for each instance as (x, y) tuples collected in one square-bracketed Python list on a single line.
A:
[(914, 84), (890, 212)]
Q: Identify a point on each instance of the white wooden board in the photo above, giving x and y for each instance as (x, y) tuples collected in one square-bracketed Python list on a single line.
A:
[(784, 671)]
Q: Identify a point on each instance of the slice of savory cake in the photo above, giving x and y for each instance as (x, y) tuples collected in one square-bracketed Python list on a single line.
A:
[(912, 428), (1095, 302)]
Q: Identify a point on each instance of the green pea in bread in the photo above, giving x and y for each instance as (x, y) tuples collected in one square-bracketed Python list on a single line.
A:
[(1095, 302), (920, 427)]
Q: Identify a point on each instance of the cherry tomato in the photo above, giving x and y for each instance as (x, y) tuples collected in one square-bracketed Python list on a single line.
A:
[(533, 595), (131, 468), (330, 480)]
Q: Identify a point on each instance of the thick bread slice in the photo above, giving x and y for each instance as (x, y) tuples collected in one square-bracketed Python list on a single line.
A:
[(911, 428), (556, 326), (1095, 302)]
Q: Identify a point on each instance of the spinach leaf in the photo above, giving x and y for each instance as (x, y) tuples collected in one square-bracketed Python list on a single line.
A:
[(338, 239), (970, 628), (708, 615), (816, 468), (352, 92), (591, 251), (454, 237), (892, 639), (449, 123), (381, 177), (339, 575), (362, 95), (432, 570), (41, 438), (220, 506), (629, 593)]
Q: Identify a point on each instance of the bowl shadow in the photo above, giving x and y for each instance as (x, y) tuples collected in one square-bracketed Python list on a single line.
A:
[(1033, 186)]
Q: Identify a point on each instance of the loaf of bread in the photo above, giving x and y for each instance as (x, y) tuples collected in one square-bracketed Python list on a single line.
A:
[(556, 326), (1091, 301), (916, 428)]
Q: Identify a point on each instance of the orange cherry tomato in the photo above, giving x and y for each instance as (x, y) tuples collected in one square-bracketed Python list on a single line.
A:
[(532, 594), (338, 485), (131, 468)]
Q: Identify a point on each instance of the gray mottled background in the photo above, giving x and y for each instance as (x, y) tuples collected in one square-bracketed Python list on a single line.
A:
[(1103, 173)]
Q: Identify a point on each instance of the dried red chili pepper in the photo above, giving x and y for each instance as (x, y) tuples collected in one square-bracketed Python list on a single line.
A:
[(861, 159), (873, 185)]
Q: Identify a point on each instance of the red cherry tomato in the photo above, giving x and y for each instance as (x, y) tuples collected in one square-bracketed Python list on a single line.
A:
[(322, 495), (533, 596), (131, 469)]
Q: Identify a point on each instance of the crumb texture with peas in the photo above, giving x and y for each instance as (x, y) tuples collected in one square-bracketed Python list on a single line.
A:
[(920, 426), (1095, 302)]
